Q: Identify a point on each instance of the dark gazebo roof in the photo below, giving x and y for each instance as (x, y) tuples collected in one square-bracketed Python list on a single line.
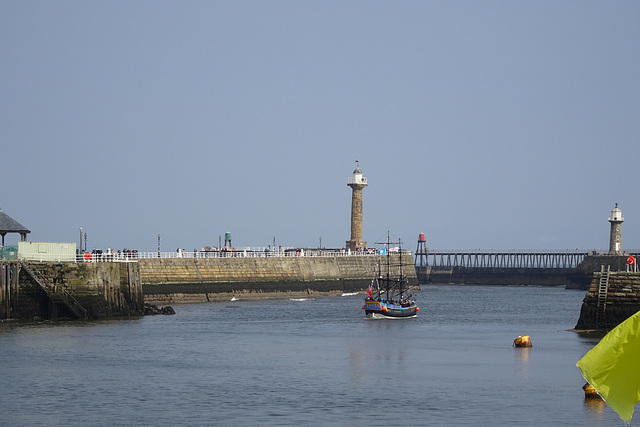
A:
[(10, 225)]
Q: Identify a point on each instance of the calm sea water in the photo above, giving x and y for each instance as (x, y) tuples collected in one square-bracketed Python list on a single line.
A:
[(308, 362)]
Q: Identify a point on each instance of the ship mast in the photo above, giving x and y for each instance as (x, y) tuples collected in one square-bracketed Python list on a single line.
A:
[(400, 273), (388, 264)]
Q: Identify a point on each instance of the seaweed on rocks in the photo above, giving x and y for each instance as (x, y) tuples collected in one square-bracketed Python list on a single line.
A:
[(150, 310)]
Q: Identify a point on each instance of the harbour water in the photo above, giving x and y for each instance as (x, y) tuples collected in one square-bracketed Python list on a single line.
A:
[(309, 362)]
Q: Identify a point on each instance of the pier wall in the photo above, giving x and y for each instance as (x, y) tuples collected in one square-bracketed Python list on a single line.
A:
[(622, 301), (571, 278), (114, 289), (209, 279), (106, 289)]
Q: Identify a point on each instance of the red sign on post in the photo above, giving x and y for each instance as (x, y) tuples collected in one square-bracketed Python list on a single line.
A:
[(631, 260)]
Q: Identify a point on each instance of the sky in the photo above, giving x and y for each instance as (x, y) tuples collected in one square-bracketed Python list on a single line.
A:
[(484, 125)]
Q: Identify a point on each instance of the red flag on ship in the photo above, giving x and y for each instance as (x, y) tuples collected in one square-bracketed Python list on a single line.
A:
[(370, 290)]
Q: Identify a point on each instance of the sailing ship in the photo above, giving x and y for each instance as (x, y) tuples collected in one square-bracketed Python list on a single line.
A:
[(389, 296)]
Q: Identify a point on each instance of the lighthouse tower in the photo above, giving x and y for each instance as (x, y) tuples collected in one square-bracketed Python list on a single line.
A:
[(615, 236), (357, 182)]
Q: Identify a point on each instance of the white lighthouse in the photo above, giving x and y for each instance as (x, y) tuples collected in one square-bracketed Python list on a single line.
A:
[(615, 236)]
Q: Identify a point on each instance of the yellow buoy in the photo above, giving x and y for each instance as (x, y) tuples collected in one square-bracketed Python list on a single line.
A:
[(590, 392), (524, 341)]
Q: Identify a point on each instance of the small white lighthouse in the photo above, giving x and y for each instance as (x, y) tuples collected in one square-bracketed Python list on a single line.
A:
[(615, 236)]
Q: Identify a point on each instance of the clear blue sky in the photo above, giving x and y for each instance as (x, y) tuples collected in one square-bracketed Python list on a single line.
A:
[(493, 124)]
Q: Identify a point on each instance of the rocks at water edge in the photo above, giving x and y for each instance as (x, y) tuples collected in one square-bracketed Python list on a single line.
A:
[(150, 309)]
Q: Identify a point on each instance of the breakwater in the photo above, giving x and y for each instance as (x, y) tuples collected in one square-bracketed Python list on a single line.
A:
[(570, 276), (609, 300), (211, 279), (102, 287)]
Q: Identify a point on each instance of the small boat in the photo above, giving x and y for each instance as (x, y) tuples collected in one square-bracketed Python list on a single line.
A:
[(387, 296)]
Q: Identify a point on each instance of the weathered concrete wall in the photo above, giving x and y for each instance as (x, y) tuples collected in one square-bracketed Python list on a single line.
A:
[(623, 300), (105, 289), (8, 289), (207, 279), (593, 263)]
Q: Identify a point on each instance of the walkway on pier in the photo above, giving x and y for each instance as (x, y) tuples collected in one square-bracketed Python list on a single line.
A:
[(503, 259), (132, 256)]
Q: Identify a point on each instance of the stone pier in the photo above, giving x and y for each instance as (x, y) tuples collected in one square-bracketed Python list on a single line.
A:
[(621, 301), (209, 279), (116, 289), (52, 290)]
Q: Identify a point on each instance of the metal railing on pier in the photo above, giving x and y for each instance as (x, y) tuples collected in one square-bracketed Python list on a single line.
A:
[(259, 253), (133, 256), (447, 258)]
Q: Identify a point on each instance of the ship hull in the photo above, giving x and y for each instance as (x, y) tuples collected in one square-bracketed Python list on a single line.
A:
[(378, 310)]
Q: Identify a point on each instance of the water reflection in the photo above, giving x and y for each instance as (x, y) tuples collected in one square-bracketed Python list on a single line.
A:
[(595, 404), (522, 357), (591, 337), (357, 366), (522, 354)]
